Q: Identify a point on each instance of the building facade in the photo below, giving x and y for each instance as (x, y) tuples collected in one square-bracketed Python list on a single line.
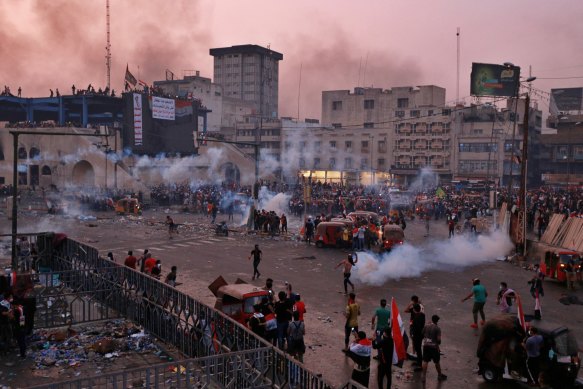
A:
[(249, 73)]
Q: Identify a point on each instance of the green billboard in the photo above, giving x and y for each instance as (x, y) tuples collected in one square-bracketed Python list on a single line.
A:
[(494, 80)]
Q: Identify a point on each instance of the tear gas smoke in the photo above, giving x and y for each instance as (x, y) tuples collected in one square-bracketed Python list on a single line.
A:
[(269, 201), (426, 179), (409, 261)]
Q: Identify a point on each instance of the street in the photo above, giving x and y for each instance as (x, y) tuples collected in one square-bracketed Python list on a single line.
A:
[(201, 256)]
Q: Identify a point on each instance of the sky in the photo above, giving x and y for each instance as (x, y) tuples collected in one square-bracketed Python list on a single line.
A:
[(339, 44)]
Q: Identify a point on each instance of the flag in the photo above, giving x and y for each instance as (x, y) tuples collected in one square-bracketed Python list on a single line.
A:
[(440, 193), (520, 312), (399, 352), (143, 83), (130, 79)]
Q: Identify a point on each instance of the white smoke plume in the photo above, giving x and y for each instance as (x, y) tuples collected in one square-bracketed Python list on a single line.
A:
[(409, 261), (426, 179)]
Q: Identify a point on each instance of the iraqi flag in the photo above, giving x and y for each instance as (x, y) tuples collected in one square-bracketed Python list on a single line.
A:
[(520, 312), (129, 77), (399, 352)]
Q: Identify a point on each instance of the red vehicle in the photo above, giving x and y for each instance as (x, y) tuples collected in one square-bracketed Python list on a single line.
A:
[(393, 235), (237, 300), (555, 265), (330, 234)]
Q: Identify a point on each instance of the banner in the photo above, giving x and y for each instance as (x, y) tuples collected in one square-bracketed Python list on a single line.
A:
[(567, 99), (494, 80), (163, 108), (137, 119)]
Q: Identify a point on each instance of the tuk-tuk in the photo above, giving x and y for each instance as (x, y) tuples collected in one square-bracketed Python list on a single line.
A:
[(129, 206), (330, 234), (556, 264), (501, 354), (367, 215), (349, 223), (393, 235), (237, 300)]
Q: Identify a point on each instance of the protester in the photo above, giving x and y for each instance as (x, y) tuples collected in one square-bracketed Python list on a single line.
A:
[(505, 297), (360, 351), (257, 255), (295, 332), (417, 326), (386, 347), (533, 345), (299, 307), (130, 260), (348, 263), (171, 277), (380, 319), (351, 314), (283, 314), (479, 294), (431, 348)]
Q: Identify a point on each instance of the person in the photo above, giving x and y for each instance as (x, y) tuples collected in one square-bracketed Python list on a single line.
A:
[(480, 295), (15, 315), (451, 227), (156, 271), (571, 273), (299, 307), (149, 265), (171, 277), (172, 228), (73, 90), (360, 351), (268, 311), (537, 291), (110, 256), (283, 314), (52, 94), (426, 225), (416, 331), (348, 263), (361, 233), (380, 319), (19, 92), (431, 346), (283, 221), (142, 260), (214, 213), (257, 256), (295, 332), (130, 260), (257, 321), (504, 297), (268, 285), (351, 313), (533, 346), (309, 230), (385, 346)]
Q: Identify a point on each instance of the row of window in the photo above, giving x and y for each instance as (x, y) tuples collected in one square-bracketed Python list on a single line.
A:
[(333, 163), (478, 147), (470, 165), (333, 145), (414, 113)]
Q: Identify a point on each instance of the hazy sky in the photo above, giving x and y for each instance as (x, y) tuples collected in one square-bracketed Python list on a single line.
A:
[(53, 44)]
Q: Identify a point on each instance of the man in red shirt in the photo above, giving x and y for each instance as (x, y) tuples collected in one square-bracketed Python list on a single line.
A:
[(149, 265), (130, 260), (299, 307)]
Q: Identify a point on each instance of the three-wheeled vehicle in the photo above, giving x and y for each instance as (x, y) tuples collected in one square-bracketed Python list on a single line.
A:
[(393, 235), (502, 355), (366, 215), (330, 234), (556, 265), (237, 300), (129, 206)]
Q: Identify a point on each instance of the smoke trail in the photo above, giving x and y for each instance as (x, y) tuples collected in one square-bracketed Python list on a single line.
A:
[(426, 179), (411, 261)]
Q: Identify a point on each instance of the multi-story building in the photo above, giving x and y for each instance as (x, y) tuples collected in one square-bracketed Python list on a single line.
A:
[(488, 143), (249, 73)]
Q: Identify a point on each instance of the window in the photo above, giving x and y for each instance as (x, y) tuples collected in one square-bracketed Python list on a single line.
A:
[(578, 153), (347, 163), (332, 163), (446, 112), (415, 113), (430, 112), (337, 125), (337, 106), (380, 163), (46, 171), (382, 146), (348, 145), (316, 163), (369, 125), (470, 165), (287, 145), (368, 104), (403, 103), (477, 131), (561, 152), (478, 147), (21, 153), (364, 163), (508, 146), (364, 144), (302, 163), (333, 144), (400, 114), (302, 145), (33, 153), (317, 145)]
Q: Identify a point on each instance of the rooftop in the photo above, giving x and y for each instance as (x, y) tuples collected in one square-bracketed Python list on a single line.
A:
[(246, 49)]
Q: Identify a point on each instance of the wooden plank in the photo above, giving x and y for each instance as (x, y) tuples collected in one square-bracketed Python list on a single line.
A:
[(552, 229)]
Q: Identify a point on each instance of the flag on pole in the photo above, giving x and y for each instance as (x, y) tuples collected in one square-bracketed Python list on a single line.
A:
[(130, 79), (399, 352), (520, 312)]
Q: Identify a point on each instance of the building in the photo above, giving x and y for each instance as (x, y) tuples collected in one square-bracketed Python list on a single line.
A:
[(249, 73), (488, 143), (223, 113)]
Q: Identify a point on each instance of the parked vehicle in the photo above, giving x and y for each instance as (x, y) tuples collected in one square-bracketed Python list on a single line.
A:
[(393, 235), (556, 265), (501, 354), (236, 300), (330, 234), (129, 206), (369, 216)]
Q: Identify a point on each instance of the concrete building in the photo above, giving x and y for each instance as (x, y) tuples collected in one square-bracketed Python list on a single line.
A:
[(224, 111), (249, 73), (486, 138)]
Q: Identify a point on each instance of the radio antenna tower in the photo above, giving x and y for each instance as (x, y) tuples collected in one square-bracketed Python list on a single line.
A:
[(108, 48)]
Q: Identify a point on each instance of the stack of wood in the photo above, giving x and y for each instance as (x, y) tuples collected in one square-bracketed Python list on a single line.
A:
[(566, 233)]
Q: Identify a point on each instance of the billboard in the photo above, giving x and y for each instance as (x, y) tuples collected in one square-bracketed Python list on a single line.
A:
[(163, 108), (494, 80), (568, 99), (143, 134)]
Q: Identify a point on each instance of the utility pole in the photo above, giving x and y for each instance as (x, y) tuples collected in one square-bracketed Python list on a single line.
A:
[(524, 171), (108, 48)]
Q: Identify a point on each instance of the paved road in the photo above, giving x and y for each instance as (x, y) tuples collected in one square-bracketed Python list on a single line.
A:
[(201, 257)]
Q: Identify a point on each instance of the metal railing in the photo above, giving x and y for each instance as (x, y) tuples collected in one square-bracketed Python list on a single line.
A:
[(83, 287)]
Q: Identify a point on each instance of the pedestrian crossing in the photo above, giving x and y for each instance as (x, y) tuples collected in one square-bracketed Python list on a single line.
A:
[(166, 245)]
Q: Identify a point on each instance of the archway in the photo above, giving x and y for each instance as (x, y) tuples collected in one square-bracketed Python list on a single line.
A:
[(83, 174), (33, 153), (232, 173)]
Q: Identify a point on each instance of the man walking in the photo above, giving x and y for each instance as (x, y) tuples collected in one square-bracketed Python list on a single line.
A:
[(533, 346), (257, 256), (348, 264), (380, 320), (351, 313), (309, 230), (385, 346), (480, 294), (417, 326), (431, 344)]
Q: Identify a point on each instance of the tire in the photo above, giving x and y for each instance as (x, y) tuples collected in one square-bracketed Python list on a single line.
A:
[(319, 244), (490, 374)]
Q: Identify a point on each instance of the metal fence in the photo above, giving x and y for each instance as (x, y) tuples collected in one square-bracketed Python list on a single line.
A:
[(83, 287)]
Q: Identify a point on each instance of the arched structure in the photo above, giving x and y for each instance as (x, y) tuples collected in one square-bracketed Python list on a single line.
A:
[(232, 173), (83, 174)]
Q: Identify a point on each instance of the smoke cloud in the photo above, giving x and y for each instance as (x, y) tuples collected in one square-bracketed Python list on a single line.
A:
[(409, 261)]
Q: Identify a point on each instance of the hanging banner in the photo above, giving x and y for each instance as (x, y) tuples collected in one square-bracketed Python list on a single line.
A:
[(494, 80), (137, 119), (162, 108)]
